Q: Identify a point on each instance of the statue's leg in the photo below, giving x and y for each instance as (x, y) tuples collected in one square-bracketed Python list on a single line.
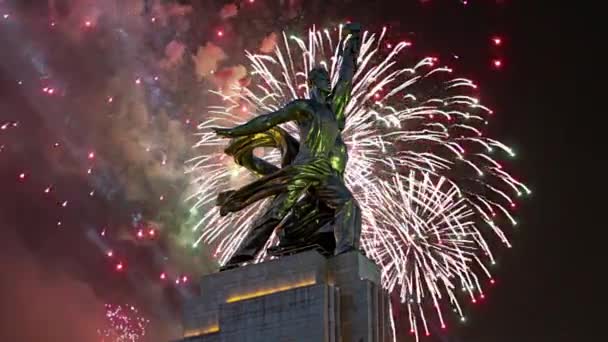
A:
[(301, 222), (259, 234), (262, 229), (347, 222)]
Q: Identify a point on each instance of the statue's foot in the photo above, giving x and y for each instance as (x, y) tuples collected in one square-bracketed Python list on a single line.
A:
[(235, 262), (283, 247), (346, 249), (228, 267)]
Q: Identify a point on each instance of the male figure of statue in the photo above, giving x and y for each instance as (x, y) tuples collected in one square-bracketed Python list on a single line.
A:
[(317, 169)]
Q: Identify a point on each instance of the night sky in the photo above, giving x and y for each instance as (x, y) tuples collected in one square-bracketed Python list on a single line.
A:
[(90, 86)]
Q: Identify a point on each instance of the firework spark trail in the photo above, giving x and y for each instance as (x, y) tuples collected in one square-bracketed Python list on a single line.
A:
[(429, 183), (125, 324)]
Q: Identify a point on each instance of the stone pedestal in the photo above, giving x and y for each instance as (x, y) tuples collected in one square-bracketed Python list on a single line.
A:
[(299, 298)]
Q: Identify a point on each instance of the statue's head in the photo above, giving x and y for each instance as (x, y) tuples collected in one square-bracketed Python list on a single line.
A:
[(319, 84)]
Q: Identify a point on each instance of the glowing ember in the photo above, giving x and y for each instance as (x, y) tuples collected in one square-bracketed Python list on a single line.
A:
[(124, 324)]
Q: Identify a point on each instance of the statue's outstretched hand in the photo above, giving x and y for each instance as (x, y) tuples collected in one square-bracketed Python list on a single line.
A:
[(224, 132), (353, 45), (352, 28)]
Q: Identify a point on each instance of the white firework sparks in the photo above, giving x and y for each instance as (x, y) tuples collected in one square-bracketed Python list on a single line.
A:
[(430, 185)]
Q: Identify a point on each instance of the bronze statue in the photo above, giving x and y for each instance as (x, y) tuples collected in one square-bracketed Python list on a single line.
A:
[(310, 196)]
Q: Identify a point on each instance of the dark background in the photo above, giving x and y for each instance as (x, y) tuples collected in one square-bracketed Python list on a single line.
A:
[(545, 283)]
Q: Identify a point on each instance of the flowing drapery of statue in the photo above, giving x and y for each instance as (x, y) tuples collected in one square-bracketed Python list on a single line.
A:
[(311, 205)]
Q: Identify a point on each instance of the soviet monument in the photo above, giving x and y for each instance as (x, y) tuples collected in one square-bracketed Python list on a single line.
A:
[(321, 287)]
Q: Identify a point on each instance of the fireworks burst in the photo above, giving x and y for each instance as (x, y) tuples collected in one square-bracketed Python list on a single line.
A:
[(431, 186), (125, 324)]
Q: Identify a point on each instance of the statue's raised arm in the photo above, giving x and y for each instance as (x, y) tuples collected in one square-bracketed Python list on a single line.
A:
[(350, 52), (294, 111)]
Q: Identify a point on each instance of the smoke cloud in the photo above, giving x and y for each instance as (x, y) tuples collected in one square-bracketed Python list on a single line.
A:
[(228, 11), (174, 53), (229, 77), (40, 303), (269, 43), (207, 59)]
